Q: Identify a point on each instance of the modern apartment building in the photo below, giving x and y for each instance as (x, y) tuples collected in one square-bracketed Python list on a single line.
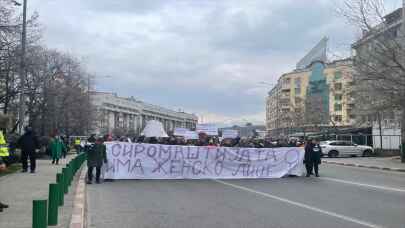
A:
[(322, 91)]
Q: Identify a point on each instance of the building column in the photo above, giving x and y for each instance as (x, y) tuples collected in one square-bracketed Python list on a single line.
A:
[(111, 121)]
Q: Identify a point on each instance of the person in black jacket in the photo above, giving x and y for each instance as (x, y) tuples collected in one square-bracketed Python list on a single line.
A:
[(96, 157), (92, 138), (28, 143), (312, 157), (202, 139)]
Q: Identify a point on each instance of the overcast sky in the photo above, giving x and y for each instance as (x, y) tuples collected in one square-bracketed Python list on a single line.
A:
[(203, 56)]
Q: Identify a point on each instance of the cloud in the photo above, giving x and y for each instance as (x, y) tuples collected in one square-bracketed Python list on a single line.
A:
[(200, 56)]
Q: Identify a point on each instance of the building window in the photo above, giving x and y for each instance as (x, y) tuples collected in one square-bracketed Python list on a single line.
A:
[(338, 86), (297, 82), (338, 75), (338, 107), (338, 118), (389, 115), (338, 97), (297, 91), (350, 83)]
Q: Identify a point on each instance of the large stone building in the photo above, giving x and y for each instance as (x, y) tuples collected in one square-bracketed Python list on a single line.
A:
[(317, 95), (121, 114)]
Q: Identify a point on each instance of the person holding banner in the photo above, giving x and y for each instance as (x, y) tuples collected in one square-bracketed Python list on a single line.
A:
[(312, 157), (96, 155), (227, 143), (202, 139), (172, 140)]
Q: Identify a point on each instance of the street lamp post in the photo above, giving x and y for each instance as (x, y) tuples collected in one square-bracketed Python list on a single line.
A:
[(89, 98), (403, 111), (88, 103), (21, 109)]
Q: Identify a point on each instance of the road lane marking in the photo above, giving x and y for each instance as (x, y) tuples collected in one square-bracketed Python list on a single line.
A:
[(386, 188), (329, 213), (366, 169)]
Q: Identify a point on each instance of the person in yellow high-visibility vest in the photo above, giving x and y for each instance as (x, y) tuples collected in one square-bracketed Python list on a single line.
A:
[(3, 146), (78, 146), (3, 153)]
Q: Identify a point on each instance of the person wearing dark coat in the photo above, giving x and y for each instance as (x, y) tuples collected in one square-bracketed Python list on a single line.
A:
[(171, 140), (28, 143), (152, 140), (312, 157), (92, 139), (96, 156), (140, 139)]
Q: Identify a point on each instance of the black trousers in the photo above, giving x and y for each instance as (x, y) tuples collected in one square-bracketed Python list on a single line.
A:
[(24, 160), (90, 173), (312, 166), (78, 149), (64, 152)]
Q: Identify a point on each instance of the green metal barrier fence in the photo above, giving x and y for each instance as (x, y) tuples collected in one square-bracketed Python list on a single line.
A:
[(45, 212)]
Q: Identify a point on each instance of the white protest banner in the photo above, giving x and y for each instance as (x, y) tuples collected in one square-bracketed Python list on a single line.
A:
[(154, 128), (191, 135), (156, 161), (209, 129), (179, 131), (229, 134)]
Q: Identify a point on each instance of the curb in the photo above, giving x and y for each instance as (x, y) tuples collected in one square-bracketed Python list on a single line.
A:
[(79, 203), (365, 166)]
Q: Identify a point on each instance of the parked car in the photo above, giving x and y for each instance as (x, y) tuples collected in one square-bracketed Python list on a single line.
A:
[(338, 148)]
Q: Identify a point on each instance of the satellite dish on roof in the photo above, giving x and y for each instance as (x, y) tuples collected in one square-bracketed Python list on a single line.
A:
[(154, 128)]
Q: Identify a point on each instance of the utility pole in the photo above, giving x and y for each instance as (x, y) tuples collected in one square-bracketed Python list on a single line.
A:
[(88, 100), (21, 109), (402, 124)]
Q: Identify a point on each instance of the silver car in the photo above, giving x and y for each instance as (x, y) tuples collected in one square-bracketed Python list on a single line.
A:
[(338, 148)]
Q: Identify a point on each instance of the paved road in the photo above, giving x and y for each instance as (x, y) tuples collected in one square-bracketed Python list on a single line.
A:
[(342, 197), (378, 162)]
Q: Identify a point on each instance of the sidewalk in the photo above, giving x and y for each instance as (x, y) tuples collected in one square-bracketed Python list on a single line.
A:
[(19, 189), (390, 163)]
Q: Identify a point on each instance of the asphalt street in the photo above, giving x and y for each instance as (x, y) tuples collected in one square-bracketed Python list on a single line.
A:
[(342, 197)]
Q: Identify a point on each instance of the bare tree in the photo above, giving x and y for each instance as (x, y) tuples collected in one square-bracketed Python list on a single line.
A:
[(380, 57), (56, 87)]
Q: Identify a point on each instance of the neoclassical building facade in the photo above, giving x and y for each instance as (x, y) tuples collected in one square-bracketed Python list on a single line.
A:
[(114, 113)]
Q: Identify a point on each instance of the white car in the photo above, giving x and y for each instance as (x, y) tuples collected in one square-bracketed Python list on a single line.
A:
[(337, 148)]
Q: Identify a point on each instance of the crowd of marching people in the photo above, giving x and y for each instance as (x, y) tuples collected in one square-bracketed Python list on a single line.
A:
[(312, 148), (205, 140), (58, 146)]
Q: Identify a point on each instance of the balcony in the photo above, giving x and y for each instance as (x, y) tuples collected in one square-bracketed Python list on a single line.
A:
[(285, 107), (350, 106), (286, 88), (349, 79), (350, 101)]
